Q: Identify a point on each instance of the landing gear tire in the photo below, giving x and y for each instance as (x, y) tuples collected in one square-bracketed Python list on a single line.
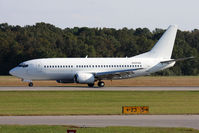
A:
[(101, 84), (91, 85), (30, 84)]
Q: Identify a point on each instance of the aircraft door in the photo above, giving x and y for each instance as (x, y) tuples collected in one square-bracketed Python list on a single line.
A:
[(34, 68), (31, 69), (39, 67)]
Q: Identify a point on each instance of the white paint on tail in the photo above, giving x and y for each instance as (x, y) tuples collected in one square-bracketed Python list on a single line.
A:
[(164, 47)]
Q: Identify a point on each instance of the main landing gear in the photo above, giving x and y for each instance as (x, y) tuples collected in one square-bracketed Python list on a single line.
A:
[(100, 84), (30, 84), (91, 85)]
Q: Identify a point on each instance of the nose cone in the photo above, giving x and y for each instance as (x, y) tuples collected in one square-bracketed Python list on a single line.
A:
[(12, 72), (17, 72)]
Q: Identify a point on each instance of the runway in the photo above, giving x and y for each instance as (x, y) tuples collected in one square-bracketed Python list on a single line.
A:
[(55, 88), (189, 121)]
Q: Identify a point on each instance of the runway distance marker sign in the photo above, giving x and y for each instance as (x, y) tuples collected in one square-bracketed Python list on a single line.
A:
[(135, 110)]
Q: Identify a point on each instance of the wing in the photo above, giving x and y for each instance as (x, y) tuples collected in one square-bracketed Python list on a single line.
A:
[(118, 74)]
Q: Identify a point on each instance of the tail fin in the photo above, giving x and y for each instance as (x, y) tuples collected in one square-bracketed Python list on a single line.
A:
[(164, 47)]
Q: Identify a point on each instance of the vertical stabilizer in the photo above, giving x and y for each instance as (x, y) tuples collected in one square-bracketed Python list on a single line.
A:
[(164, 47)]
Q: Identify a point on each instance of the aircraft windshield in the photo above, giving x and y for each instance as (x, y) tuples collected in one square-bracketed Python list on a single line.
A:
[(23, 65)]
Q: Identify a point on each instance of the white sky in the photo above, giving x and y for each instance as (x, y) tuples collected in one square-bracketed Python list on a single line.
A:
[(102, 13)]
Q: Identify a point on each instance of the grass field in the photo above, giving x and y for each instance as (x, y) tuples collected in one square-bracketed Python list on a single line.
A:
[(96, 102), (63, 129), (139, 81)]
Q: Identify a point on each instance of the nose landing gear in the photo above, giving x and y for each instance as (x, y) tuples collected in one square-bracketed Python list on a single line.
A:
[(30, 83)]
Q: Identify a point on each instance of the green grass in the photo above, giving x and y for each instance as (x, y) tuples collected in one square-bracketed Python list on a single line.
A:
[(63, 129), (96, 102)]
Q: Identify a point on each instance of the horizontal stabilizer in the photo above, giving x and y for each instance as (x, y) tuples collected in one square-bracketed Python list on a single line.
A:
[(174, 60)]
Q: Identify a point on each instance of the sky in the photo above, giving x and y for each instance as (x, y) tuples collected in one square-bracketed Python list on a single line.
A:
[(102, 13)]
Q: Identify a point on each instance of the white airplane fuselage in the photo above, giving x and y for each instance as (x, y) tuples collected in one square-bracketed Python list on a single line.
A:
[(66, 68)]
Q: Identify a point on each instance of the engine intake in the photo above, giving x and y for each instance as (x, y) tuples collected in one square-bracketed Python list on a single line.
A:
[(84, 78)]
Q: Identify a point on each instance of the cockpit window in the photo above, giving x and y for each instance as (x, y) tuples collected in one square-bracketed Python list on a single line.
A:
[(23, 65)]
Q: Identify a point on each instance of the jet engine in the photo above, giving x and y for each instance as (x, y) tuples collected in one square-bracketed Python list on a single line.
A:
[(84, 78)]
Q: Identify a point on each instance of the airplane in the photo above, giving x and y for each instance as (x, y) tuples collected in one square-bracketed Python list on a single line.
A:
[(90, 70)]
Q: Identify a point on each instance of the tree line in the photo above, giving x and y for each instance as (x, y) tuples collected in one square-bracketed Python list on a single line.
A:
[(42, 40)]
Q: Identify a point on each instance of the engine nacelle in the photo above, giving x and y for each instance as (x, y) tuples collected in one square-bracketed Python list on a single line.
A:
[(84, 78)]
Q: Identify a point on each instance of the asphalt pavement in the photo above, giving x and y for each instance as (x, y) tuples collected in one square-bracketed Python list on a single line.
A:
[(189, 121), (99, 89)]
